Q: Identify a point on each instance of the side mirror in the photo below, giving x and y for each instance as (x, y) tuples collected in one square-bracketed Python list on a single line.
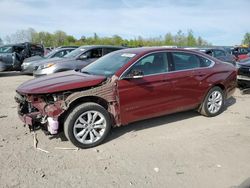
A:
[(134, 74)]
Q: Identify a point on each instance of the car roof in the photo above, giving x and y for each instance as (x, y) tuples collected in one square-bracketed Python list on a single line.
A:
[(62, 49), (88, 47), (144, 50)]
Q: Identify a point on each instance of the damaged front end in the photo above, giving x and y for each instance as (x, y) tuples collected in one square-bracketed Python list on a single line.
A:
[(46, 110), (41, 110)]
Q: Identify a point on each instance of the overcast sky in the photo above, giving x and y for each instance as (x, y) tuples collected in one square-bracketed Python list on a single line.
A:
[(221, 22)]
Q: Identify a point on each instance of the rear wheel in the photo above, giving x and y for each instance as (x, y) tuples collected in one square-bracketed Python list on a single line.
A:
[(213, 103), (87, 125)]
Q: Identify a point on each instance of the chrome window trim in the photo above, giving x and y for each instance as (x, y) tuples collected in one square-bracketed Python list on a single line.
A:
[(212, 64)]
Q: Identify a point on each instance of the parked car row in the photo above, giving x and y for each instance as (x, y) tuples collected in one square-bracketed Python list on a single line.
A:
[(124, 86), (241, 53), (220, 54), (29, 64)]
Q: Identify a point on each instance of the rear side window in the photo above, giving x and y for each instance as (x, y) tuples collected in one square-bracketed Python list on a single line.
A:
[(185, 61), (204, 62)]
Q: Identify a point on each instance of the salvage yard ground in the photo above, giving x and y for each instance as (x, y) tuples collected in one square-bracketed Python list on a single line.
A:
[(180, 150)]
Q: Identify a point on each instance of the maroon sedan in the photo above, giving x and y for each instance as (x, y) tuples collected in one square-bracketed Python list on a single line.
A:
[(123, 87)]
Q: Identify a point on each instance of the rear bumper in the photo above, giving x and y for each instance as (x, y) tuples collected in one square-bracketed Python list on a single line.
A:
[(241, 77)]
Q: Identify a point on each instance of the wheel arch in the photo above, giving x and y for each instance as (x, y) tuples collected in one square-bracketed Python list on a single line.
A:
[(72, 104), (219, 84)]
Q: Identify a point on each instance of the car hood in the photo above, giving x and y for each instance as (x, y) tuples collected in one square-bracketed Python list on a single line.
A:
[(39, 62), (55, 61), (33, 58), (63, 81)]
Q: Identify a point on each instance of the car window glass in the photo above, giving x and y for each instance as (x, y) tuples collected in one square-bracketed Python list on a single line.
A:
[(6, 49), (108, 50), (109, 64), (151, 64), (94, 53), (219, 53), (204, 62), (59, 54), (184, 61), (243, 51)]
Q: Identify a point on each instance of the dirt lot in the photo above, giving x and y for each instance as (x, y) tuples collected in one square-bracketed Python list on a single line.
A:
[(180, 150)]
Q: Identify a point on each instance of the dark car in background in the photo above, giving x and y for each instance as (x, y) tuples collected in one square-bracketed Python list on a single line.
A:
[(220, 54), (123, 87), (75, 60), (2, 66), (240, 53), (31, 62), (13, 55), (244, 73)]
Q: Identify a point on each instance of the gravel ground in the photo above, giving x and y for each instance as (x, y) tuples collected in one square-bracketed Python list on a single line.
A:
[(179, 150)]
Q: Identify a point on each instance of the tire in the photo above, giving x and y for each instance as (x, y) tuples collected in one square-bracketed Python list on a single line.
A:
[(213, 103), (81, 126)]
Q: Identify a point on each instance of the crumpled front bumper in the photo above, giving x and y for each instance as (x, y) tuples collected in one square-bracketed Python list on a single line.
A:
[(27, 116), (28, 119)]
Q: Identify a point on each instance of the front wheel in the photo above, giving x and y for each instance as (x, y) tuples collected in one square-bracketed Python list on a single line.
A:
[(213, 103), (87, 125)]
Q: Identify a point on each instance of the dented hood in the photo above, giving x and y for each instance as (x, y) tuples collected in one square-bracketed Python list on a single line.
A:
[(63, 81)]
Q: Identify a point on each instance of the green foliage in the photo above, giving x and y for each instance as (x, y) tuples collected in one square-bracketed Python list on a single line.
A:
[(60, 38), (246, 39)]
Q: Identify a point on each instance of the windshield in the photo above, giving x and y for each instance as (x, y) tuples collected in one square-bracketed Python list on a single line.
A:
[(5, 49), (75, 53), (51, 53), (108, 64)]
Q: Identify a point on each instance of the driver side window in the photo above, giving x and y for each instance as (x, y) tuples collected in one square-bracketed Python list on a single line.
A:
[(151, 64), (94, 53)]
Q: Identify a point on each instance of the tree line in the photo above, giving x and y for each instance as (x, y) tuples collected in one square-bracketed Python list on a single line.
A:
[(60, 38)]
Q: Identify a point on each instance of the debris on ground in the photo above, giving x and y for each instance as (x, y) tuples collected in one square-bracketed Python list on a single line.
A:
[(35, 142), (179, 173), (156, 169), (218, 165), (97, 150), (59, 148), (3, 116)]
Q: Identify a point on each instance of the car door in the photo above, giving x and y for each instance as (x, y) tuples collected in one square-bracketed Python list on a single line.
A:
[(186, 88), (146, 96)]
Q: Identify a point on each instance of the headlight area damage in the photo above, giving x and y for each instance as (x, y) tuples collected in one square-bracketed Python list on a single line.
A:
[(45, 110)]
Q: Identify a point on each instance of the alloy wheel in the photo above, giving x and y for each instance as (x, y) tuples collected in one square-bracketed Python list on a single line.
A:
[(89, 127)]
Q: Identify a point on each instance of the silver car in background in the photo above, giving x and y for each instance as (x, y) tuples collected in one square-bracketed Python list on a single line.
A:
[(30, 63), (75, 60)]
